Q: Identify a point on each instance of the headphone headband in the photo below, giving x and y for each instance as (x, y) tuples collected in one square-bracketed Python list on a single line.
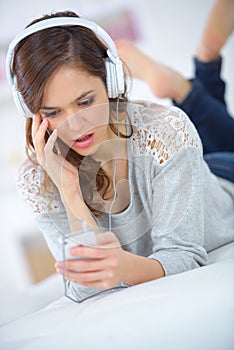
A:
[(58, 22), (114, 68)]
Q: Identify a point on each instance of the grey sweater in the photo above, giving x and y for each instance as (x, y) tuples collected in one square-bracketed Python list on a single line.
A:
[(179, 210)]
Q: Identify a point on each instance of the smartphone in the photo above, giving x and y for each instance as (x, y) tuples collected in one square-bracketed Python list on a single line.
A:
[(56, 147), (86, 238)]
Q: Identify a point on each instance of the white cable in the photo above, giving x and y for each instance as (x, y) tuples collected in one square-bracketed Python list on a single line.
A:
[(115, 168)]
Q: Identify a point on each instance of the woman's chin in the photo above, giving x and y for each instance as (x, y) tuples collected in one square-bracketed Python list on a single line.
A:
[(86, 151)]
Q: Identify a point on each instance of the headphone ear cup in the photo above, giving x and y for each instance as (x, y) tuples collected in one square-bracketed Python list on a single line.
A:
[(19, 101), (120, 76), (20, 104), (114, 78), (110, 79)]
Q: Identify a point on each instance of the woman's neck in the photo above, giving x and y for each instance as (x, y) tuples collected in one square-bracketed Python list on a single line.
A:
[(114, 147)]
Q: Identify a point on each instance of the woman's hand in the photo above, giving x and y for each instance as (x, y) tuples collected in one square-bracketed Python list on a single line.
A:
[(100, 266), (62, 173)]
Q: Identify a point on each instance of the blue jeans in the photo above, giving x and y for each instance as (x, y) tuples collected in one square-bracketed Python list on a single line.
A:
[(221, 164), (205, 105)]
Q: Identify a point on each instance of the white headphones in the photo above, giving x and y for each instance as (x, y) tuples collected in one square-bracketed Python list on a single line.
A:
[(114, 67)]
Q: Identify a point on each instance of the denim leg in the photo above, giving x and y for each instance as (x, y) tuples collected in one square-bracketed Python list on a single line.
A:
[(221, 164), (214, 124), (206, 107), (209, 73)]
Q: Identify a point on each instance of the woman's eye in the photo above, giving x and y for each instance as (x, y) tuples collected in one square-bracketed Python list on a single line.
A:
[(50, 114), (87, 102)]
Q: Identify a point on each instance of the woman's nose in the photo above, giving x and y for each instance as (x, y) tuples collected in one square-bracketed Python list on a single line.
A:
[(75, 121)]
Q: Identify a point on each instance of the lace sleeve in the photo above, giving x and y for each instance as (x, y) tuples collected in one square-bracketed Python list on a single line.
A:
[(42, 196), (162, 131)]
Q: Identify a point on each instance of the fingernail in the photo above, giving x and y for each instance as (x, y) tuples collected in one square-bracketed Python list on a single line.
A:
[(72, 250), (44, 121)]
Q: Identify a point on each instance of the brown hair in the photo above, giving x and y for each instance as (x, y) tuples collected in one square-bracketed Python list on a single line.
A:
[(36, 58)]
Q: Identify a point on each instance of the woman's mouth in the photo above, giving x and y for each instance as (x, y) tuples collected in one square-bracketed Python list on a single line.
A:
[(84, 141)]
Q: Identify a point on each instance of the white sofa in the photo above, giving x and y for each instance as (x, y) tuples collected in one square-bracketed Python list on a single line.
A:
[(189, 311)]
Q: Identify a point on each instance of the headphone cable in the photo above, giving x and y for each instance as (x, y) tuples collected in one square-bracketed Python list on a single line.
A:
[(115, 168)]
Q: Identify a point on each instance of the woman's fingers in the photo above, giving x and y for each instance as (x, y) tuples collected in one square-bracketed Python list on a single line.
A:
[(84, 265), (99, 252), (39, 130), (36, 124), (88, 277), (107, 240)]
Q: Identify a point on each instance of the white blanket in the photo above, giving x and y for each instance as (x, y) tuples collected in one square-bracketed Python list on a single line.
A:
[(189, 311)]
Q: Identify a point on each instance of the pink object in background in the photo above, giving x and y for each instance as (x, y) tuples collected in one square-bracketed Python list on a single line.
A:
[(122, 24)]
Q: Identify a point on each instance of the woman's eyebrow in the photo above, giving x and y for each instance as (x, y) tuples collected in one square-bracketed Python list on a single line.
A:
[(84, 94)]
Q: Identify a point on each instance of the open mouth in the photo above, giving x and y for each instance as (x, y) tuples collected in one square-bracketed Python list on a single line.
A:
[(84, 140)]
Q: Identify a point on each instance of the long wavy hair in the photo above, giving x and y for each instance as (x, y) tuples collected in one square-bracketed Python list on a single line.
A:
[(36, 58)]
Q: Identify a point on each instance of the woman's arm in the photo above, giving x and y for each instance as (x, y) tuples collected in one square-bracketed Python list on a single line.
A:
[(63, 174), (108, 265), (77, 212)]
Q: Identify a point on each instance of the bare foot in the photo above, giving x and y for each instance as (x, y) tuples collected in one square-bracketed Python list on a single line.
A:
[(162, 80), (218, 28)]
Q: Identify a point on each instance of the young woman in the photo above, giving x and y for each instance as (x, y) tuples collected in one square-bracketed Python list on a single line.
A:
[(132, 172)]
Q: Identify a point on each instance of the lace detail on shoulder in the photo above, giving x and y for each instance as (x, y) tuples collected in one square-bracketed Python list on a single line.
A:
[(161, 131), (42, 198)]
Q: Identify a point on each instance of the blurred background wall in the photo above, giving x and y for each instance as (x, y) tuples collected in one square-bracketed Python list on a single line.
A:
[(167, 30)]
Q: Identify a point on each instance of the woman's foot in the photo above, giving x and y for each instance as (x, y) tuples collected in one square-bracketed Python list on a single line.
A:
[(162, 80), (218, 28)]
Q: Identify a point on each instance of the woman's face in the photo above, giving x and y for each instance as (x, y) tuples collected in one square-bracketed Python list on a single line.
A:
[(76, 104)]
